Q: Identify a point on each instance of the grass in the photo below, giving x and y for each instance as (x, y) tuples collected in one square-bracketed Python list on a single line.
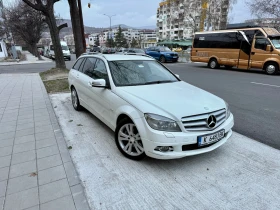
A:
[(56, 86), (54, 73), (55, 80)]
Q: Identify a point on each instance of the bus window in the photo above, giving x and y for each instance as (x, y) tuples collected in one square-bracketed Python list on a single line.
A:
[(261, 44)]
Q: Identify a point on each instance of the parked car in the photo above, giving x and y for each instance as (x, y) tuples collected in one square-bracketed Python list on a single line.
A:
[(95, 49), (108, 50), (151, 110), (177, 49), (163, 54), (122, 51), (136, 50)]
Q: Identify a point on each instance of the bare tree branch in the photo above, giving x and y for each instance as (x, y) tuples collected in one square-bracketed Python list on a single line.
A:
[(64, 25)]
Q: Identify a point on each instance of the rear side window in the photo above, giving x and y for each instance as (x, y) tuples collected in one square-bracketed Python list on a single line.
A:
[(78, 64), (88, 67)]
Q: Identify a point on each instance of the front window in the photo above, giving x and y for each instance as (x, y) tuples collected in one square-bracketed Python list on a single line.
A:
[(137, 72), (276, 42)]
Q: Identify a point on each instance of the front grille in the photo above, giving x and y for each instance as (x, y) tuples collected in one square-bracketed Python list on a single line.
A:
[(199, 122)]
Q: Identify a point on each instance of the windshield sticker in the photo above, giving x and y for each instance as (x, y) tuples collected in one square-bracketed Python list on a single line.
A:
[(140, 66)]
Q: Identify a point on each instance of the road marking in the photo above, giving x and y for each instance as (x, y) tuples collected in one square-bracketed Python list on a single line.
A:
[(265, 84)]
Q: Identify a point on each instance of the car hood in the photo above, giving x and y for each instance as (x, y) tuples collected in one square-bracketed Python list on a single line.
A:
[(174, 100)]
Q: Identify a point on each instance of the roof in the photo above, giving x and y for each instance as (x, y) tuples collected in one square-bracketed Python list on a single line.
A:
[(120, 57)]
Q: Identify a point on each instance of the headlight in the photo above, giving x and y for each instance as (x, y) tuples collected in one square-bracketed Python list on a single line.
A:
[(161, 123), (228, 110)]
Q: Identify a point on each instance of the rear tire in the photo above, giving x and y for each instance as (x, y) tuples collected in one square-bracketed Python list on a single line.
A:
[(75, 100), (128, 140), (162, 59), (213, 64), (271, 68)]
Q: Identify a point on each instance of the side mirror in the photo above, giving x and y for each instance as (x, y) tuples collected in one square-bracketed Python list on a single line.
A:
[(101, 83), (268, 48), (177, 75)]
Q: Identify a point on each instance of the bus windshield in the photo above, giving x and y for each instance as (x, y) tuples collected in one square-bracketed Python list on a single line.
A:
[(276, 42)]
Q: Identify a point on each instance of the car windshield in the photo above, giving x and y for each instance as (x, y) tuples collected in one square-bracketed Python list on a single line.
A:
[(276, 42), (138, 72), (164, 49), (64, 47)]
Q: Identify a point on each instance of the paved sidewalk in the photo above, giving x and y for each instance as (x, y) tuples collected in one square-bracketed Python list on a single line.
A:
[(36, 170), (30, 59)]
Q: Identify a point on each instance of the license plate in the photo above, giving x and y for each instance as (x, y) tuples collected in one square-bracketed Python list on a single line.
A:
[(174, 56), (211, 138)]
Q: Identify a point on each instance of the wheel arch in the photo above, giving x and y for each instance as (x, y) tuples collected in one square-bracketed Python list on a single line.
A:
[(270, 61)]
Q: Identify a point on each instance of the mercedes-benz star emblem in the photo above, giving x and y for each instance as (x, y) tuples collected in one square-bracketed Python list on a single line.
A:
[(211, 121)]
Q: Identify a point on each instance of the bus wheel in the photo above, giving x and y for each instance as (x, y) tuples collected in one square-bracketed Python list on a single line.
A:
[(271, 68), (213, 64), (228, 67)]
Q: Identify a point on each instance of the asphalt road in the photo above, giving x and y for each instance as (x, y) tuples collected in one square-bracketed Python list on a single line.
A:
[(253, 96)]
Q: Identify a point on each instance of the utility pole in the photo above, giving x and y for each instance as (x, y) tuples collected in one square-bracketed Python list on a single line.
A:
[(82, 24), (110, 31)]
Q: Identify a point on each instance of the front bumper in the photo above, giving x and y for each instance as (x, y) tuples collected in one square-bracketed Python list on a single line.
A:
[(152, 139), (172, 58)]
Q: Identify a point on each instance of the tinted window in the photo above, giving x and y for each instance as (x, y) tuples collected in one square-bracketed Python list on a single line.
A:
[(251, 33), (100, 71), (261, 44), (89, 66), (78, 63), (217, 40), (151, 49)]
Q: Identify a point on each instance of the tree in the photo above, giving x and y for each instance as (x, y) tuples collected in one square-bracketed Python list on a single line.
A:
[(134, 43), (25, 23), (265, 8), (120, 40), (97, 43), (110, 42), (76, 26), (46, 7)]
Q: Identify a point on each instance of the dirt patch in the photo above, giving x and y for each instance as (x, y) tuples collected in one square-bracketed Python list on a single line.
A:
[(56, 86), (55, 80), (54, 73)]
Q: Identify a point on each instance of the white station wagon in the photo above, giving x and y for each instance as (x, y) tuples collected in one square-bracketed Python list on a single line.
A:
[(151, 111)]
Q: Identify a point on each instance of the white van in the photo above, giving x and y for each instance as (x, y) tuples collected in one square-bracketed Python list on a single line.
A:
[(65, 50)]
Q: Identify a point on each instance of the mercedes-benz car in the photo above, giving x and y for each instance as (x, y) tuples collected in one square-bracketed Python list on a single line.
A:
[(152, 112)]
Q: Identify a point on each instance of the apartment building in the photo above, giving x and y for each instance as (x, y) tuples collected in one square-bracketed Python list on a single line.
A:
[(180, 19)]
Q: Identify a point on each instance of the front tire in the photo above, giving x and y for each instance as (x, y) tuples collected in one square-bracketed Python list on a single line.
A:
[(213, 64), (162, 59), (75, 100), (271, 68), (128, 140)]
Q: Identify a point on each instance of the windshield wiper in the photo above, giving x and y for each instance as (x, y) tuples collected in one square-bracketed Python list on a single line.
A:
[(158, 82)]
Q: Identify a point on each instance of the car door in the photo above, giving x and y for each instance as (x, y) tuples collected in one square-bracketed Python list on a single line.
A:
[(259, 53), (157, 53), (74, 77), (85, 78), (101, 97)]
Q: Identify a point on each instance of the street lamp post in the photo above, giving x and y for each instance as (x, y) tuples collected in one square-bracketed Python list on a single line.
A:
[(110, 17)]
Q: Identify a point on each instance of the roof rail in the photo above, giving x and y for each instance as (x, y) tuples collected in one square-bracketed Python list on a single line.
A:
[(140, 54), (93, 53)]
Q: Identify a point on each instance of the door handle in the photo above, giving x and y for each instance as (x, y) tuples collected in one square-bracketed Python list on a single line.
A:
[(252, 53)]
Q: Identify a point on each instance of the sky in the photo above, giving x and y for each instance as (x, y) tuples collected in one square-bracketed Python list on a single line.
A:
[(133, 13)]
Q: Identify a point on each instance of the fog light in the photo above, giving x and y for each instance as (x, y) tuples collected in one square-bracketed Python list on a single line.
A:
[(164, 148)]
